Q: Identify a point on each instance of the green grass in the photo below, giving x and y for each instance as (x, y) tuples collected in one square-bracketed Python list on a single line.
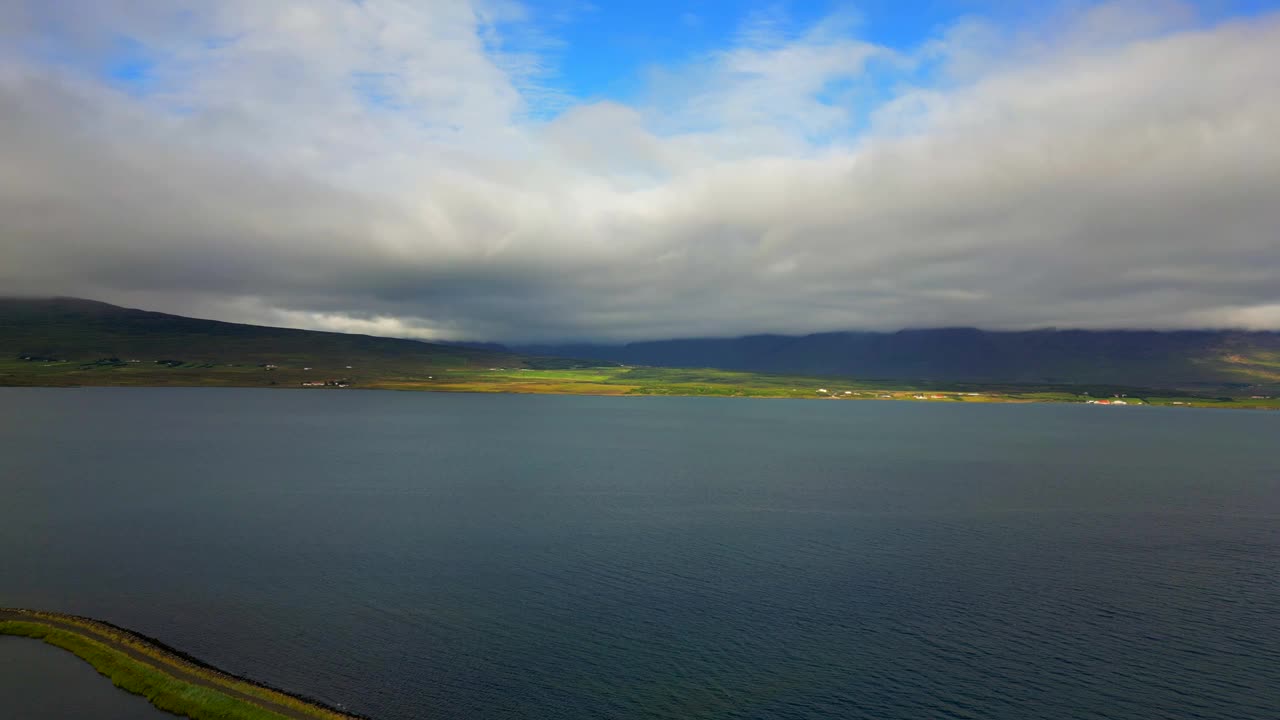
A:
[(513, 377), (163, 690), (168, 659)]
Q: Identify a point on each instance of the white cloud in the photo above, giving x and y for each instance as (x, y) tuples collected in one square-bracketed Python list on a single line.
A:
[(373, 167)]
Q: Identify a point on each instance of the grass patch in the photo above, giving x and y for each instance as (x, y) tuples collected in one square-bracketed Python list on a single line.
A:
[(513, 377), (163, 690), (169, 657)]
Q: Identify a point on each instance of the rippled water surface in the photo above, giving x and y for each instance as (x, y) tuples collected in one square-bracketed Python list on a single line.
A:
[(469, 556)]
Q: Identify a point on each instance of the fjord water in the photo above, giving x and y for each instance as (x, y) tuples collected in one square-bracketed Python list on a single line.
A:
[(471, 556)]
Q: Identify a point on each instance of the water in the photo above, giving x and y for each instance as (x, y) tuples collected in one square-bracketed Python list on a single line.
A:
[(42, 682), (467, 556)]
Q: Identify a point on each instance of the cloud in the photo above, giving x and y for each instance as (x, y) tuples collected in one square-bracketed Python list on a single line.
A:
[(390, 167)]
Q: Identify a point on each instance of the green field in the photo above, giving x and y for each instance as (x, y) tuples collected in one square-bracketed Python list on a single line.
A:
[(585, 381)]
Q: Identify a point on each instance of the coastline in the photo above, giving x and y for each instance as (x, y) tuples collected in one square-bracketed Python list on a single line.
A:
[(171, 679), (1135, 397)]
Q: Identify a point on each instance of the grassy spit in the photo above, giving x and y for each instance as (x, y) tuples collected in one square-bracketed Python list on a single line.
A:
[(209, 695)]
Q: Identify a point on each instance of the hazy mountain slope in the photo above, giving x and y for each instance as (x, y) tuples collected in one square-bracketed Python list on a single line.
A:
[(1145, 358), (85, 330)]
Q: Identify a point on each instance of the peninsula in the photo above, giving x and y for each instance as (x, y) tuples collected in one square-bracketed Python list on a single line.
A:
[(171, 680)]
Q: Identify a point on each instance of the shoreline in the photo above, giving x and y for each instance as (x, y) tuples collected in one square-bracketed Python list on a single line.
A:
[(171, 679), (1008, 397)]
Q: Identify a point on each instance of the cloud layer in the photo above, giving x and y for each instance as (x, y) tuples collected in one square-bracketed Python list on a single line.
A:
[(410, 169)]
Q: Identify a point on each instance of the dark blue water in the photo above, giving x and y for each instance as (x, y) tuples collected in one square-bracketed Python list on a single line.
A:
[(470, 556), (42, 682)]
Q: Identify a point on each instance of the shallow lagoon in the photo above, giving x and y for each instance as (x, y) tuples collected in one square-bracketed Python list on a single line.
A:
[(469, 556), (42, 682)]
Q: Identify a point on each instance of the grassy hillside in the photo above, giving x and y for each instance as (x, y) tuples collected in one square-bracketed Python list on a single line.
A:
[(71, 341)]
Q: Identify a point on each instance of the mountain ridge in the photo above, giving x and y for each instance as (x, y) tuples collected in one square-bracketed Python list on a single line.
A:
[(1143, 357), (78, 327), (90, 331)]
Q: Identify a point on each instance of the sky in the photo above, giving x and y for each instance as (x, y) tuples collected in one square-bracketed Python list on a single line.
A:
[(582, 170)]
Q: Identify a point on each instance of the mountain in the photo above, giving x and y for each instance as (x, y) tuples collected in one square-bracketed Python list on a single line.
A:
[(1127, 357), (74, 341), (87, 330)]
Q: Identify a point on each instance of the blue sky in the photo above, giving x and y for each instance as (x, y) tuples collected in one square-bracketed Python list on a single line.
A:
[(605, 50), (607, 46)]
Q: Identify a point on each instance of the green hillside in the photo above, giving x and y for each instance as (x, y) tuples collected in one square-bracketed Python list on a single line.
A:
[(71, 341)]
